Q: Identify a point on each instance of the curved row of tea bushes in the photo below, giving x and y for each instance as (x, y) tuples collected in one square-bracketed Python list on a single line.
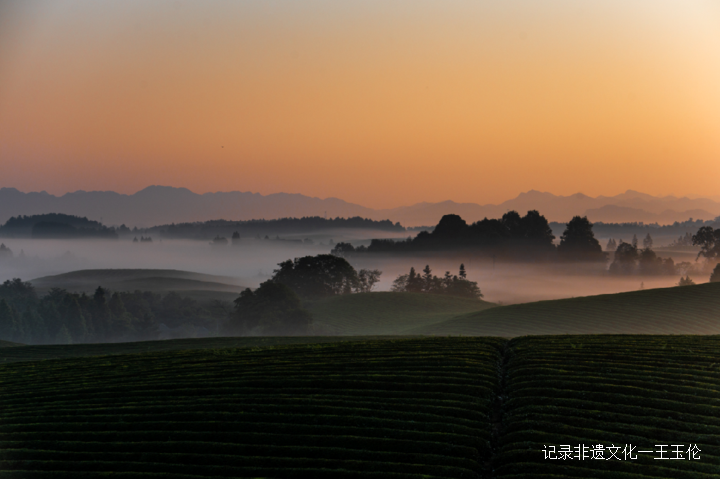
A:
[(60, 351), (643, 391), (386, 409)]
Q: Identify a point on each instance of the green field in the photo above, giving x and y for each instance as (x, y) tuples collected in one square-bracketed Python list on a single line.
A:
[(678, 310), (195, 285), (403, 408), (385, 313), (385, 409)]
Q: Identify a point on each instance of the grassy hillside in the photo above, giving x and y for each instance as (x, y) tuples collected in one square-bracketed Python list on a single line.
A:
[(384, 409), (196, 285), (387, 313), (679, 310), (405, 408), (8, 344), (60, 351)]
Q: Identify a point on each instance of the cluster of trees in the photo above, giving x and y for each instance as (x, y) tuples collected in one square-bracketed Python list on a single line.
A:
[(273, 309), (55, 226), (682, 240), (314, 277), (514, 237), (631, 260), (209, 229), (648, 242), (276, 306), (61, 317), (680, 230), (453, 285), (143, 239)]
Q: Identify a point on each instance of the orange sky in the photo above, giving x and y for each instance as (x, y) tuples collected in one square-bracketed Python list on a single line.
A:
[(382, 103)]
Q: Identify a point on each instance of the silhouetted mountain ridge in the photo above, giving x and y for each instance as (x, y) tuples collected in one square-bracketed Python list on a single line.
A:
[(157, 204)]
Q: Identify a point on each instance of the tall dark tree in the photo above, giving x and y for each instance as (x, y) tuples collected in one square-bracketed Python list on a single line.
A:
[(427, 278), (414, 282), (462, 273), (450, 226), (536, 229), (100, 314), (513, 224), (715, 275), (317, 276), (367, 279), (74, 319), (578, 242), (709, 242), (5, 252), (8, 322), (626, 258), (649, 263), (648, 242), (34, 327), (272, 309)]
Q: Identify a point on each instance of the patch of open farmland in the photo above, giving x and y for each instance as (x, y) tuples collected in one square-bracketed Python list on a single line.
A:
[(60, 351), (678, 310), (383, 313), (385, 409), (617, 396)]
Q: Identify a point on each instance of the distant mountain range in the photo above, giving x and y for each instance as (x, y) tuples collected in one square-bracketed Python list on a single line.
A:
[(156, 205)]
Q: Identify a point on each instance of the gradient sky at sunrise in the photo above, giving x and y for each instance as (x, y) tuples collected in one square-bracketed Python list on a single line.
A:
[(382, 103)]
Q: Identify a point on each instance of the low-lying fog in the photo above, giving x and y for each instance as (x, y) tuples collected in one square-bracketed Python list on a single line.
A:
[(253, 260)]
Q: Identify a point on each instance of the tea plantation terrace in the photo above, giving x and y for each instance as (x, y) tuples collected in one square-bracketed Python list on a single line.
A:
[(400, 408)]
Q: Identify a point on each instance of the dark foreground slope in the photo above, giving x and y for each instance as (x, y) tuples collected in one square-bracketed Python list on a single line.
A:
[(678, 310), (386, 313), (385, 409), (640, 392), (414, 408), (61, 351)]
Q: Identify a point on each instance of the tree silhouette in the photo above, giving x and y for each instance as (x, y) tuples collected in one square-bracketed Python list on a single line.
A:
[(648, 242), (578, 242), (317, 276), (626, 257), (709, 242), (8, 321), (272, 309), (715, 275)]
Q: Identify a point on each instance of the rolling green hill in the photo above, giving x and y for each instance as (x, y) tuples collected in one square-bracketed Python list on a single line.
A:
[(196, 285), (399, 409), (379, 409), (385, 313), (678, 310), (8, 344)]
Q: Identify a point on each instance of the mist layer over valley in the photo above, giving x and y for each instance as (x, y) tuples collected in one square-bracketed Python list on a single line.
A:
[(253, 261)]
